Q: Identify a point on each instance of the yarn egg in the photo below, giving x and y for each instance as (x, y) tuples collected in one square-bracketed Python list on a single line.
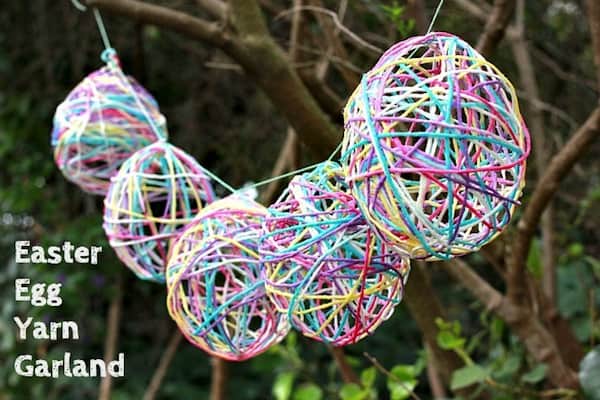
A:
[(324, 268), (434, 148), (103, 121), (157, 191), (216, 292)]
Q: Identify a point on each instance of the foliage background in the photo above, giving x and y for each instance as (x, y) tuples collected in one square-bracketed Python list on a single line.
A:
[(222, 119)]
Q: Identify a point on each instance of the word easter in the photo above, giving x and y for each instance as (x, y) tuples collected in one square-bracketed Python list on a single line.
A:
[(27, 254), (48, 294)]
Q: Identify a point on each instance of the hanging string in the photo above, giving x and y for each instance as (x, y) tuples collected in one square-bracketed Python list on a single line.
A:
[(222, 182), (435, 15), (309, 167), (102, 29), (108, 56), (109, 49), (294, 172)]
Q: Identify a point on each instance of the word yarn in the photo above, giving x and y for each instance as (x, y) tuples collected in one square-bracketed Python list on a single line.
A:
[(324, 268), (434, 148), (101, 123), (216, 293)]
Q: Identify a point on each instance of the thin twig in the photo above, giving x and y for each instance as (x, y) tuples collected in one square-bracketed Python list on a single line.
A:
[(351, 35), (555, 67), (110, 343), (541, 146), (393, 377), (335, 46), (348, 374), (163, 366), (546, 188), (433, 375), (524, 392)]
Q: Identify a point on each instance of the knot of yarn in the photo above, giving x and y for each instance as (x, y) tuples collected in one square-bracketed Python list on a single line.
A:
[(323, 266), (103, 121), (157, 191), (434, 147), (216, 292)]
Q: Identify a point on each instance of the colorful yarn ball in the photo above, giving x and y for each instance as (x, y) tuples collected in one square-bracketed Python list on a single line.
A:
[(157, 191), (324, 268), (216, 292), (435, 147), (103, 121)]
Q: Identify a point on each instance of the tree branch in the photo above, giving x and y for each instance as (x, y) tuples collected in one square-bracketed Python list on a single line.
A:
[(416, 9), (390, 376), (248, 18), (250, 44), (264, 61), (215, 7), (218, 383), (425, 307), (330, 29), (474, 9), (492, 299), (329, 100), (536, 338), (433, 376), (593, 8), (110, 343), (288, 155), (193, 27), (541, 149), (163, 366), (346, 371), (546, 188), (354, 38), (495, 26)]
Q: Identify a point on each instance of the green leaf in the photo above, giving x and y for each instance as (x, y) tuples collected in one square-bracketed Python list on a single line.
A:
[(510, 366), (536, 374), (468, 376), (589, 374), (575, 250), (403, 372), (368, 376), (497, 328), (351, 391), (405, 382), (421, 362), (282, 388), (401, 390), (308, 391), (449, 341)]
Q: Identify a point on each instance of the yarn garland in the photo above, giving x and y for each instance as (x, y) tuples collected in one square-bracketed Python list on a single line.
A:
[(324, 268), (157, 191), (216, 292), (434, 147), (103, 121), (433, 164)]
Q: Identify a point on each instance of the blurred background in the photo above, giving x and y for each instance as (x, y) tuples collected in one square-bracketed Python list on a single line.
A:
[(221, 116)]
